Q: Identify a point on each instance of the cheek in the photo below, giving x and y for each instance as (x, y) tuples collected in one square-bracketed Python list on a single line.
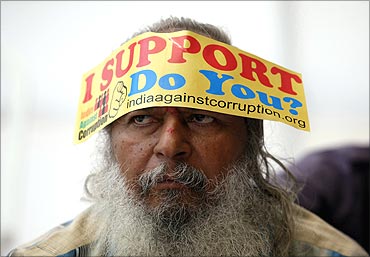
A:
[(218, 154), (132, 156)]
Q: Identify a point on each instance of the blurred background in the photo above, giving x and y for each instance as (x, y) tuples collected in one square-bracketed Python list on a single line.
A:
[(46, 47)]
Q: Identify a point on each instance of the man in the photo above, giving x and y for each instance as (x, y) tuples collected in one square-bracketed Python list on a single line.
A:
[(179, 181)]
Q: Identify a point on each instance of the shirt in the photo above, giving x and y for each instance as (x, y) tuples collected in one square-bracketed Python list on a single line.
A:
[(74, 238)]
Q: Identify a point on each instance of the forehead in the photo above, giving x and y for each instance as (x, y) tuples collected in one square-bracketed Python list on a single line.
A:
[(172, 110), (180, 111)]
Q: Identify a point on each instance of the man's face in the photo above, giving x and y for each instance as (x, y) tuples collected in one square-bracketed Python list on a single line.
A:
[(208, 141)]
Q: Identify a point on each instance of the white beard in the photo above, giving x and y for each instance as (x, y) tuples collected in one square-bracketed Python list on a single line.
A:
[(236, 224)]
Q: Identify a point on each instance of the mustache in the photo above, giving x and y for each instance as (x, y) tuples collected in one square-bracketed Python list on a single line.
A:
[(182, 173)]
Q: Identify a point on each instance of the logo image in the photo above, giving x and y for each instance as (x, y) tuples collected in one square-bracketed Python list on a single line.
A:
[(118, 98)]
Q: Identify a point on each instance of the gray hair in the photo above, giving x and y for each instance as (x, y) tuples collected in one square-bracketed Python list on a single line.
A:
[(173, 24)]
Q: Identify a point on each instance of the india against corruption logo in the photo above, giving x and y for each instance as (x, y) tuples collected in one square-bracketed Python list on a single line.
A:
[(119, 96)]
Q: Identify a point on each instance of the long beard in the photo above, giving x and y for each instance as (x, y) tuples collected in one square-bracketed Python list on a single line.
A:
[(232, 219)]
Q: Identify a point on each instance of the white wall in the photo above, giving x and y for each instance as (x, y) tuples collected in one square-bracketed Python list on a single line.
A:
[(47, 46)]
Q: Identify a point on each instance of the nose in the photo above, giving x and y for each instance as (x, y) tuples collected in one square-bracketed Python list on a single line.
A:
[(173, 142)]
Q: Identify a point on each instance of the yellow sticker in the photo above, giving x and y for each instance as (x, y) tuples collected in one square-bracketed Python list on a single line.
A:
[(188, 70)]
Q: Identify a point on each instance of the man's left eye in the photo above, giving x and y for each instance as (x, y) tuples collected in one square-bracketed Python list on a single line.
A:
[(201, 118)]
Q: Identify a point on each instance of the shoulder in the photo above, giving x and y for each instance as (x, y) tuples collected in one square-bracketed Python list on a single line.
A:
[(67, 240), (312, 230)]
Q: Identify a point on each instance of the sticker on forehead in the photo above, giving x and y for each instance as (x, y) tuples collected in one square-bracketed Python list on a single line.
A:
[(185, 69)]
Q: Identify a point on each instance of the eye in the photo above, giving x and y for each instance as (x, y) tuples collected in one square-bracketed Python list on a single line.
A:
[(201, 118), (142, 119)]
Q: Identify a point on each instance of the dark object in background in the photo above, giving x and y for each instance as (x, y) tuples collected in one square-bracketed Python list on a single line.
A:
[(336, 188)]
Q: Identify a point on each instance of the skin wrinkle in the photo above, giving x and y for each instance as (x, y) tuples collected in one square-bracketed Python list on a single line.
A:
[(172, 110)]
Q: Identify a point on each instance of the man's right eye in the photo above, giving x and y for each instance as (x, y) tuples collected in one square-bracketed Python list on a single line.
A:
[(142, 119)]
